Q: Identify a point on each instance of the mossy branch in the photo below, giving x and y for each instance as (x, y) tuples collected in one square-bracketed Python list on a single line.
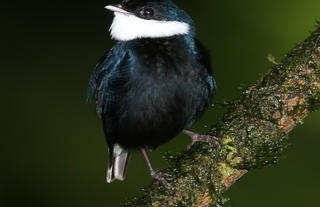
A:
[(253, 133)]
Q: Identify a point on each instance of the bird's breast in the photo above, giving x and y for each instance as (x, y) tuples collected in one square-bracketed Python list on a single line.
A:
[(165, 91)]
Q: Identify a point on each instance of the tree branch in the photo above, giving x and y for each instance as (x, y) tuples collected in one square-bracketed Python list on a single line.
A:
[(253, 133)]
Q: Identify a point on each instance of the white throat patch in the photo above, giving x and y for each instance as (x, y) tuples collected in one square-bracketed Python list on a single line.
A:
[(127, 27)]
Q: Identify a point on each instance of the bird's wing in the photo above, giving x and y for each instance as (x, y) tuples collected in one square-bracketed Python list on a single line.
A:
[(204, 59), (107, 78)]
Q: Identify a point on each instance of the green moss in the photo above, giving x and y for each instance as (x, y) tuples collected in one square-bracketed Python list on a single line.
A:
[(235, 161), (225, 170), (226, 141)]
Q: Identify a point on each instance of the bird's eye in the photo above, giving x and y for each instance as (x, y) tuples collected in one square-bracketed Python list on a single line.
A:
[(147, 12)]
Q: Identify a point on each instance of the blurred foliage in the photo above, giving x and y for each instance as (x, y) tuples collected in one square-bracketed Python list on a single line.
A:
[(53, 150)]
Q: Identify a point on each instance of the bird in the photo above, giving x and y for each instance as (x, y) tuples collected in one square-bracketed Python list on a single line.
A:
[(153, 84)]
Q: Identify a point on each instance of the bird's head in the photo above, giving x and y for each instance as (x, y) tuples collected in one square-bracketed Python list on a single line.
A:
[(134, 19)]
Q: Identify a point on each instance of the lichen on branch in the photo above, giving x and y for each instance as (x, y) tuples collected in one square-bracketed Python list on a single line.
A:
[(253, 133)]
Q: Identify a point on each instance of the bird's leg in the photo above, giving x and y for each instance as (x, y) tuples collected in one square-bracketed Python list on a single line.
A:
[(156, 175), (200, 138)]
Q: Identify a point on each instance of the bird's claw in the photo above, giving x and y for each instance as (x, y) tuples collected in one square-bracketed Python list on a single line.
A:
[(161, 178), (201, 138)]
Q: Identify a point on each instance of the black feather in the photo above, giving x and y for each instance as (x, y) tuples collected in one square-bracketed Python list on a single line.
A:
[(150, 89)]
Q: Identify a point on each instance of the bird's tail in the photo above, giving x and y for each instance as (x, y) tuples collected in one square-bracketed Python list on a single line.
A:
[(118, 160)]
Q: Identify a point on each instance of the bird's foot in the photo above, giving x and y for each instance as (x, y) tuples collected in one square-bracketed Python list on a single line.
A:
[(200, 138), (161, 178), (156, 175)]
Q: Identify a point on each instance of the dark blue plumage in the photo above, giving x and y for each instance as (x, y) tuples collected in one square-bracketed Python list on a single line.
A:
[(148, 90)]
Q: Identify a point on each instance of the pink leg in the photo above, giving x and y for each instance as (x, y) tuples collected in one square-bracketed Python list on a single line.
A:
[(156, 175), (200, 138)]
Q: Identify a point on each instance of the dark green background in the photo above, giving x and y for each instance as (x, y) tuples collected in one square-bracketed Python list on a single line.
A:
[(54, 153)]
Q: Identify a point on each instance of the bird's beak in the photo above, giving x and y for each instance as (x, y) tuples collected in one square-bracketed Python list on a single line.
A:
[(116, 8)]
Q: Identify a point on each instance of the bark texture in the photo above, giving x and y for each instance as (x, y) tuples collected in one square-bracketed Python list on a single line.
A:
[(253, 133)]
